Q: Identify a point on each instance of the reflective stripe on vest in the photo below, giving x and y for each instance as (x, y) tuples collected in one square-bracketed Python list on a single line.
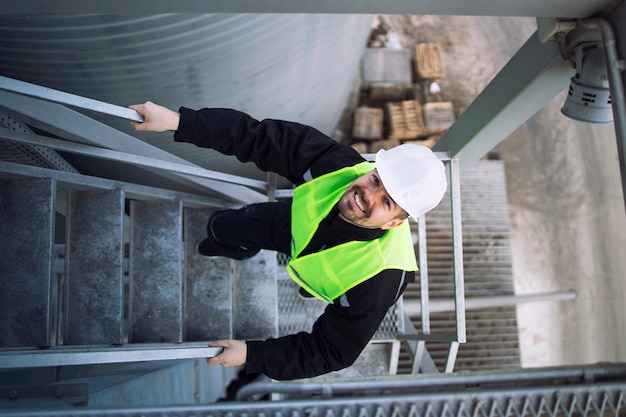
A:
[(330, 273)]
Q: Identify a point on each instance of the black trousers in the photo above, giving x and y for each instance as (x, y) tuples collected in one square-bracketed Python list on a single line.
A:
[(242, 233)]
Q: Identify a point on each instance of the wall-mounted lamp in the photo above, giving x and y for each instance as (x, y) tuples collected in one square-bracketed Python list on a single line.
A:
[(589, 97)]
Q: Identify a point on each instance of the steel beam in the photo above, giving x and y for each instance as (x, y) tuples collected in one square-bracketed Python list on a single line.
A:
[(82, 355), (534, 76), (10, 170), (45, 93), (129, 158), (71, 125), (457, 242), (617, 19), (550, 8)]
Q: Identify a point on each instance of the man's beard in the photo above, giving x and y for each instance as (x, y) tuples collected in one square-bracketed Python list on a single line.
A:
[(349, 208)]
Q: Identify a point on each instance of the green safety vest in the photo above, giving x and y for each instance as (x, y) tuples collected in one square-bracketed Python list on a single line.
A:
[(331, 272)]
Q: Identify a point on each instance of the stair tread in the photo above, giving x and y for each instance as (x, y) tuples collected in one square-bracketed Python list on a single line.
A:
[(208, 295), (156, 268), (26, 301), (95, 268), (255, 297)]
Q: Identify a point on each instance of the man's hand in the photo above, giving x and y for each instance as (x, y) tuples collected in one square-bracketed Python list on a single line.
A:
[(155, 118), (234, 353)]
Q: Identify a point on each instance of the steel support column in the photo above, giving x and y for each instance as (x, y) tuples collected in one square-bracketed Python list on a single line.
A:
[(617, 19)]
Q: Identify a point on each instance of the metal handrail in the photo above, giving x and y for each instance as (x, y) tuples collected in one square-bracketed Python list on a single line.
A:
[(536, 377), (418, 349), (83, 355), (73, 100), (49, 94)]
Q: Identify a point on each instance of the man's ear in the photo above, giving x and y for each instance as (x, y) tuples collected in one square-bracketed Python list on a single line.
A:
[(391, 224)]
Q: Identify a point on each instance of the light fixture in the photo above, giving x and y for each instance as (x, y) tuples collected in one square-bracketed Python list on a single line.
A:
[(589, 97)]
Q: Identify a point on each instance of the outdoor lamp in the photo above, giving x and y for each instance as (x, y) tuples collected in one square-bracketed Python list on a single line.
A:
[(589, 97)]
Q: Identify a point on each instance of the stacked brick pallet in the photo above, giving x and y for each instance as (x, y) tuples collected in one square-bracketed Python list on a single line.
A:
[(392, 122)]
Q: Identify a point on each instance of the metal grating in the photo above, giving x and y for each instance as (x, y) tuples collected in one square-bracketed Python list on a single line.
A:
[(26, 154), (492, 338), (584, 400)]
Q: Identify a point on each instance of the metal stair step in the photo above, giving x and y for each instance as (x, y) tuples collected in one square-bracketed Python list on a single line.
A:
[(28, 292), (208, 294), (94, 265), (156, 271), (255, 297)]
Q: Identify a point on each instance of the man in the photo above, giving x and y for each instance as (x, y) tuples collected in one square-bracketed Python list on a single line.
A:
[(345, 229)]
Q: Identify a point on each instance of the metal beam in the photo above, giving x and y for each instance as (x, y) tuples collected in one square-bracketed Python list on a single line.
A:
[(132, 159), (10, 171), (617, 18), (69, 124), (545, 8), (82, 355), (32, 90), (534, 76)]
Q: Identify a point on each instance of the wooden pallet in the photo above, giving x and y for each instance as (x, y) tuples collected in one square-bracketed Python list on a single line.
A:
[(408, 120), (368, 123), (387, 91), (405, 119), (439, 115), (428, 62)]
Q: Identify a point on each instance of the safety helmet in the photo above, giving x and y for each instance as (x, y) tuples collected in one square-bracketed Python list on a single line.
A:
[(413, 176)]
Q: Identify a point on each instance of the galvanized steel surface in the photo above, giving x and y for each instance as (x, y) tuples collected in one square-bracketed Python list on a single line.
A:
[(294, 67), (208, 300), (104, 354), (26, 307), (255, 304), (94, 268), (156, 268)]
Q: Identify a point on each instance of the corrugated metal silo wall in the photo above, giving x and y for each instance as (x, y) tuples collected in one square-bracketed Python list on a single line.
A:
[(295, 67), (492, 337)]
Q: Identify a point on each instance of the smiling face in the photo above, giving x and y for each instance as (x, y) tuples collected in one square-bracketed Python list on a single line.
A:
[(367, 204)]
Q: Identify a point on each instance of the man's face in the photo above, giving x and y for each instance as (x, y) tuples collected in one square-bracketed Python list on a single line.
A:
[(367, 204)]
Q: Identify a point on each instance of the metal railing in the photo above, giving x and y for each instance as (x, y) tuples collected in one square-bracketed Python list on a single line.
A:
[(598, 390), (417, 341)]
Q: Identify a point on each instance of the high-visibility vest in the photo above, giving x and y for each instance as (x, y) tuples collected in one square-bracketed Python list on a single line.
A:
[(331, 272)]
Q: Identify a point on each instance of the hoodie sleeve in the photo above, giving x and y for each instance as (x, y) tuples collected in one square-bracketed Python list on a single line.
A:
[(287, 148)]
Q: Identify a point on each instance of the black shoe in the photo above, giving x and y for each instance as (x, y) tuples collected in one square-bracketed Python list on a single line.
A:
[(209, 247)]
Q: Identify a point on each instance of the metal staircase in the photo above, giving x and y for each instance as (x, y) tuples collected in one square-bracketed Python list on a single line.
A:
[(126, 268), (110, 266), (119, 268), (98, 270)]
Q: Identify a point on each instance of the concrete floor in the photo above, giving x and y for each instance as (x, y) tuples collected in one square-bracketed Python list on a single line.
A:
[(568, 223)]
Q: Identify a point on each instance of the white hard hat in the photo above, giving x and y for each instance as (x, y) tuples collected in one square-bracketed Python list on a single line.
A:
[(413, 176)]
